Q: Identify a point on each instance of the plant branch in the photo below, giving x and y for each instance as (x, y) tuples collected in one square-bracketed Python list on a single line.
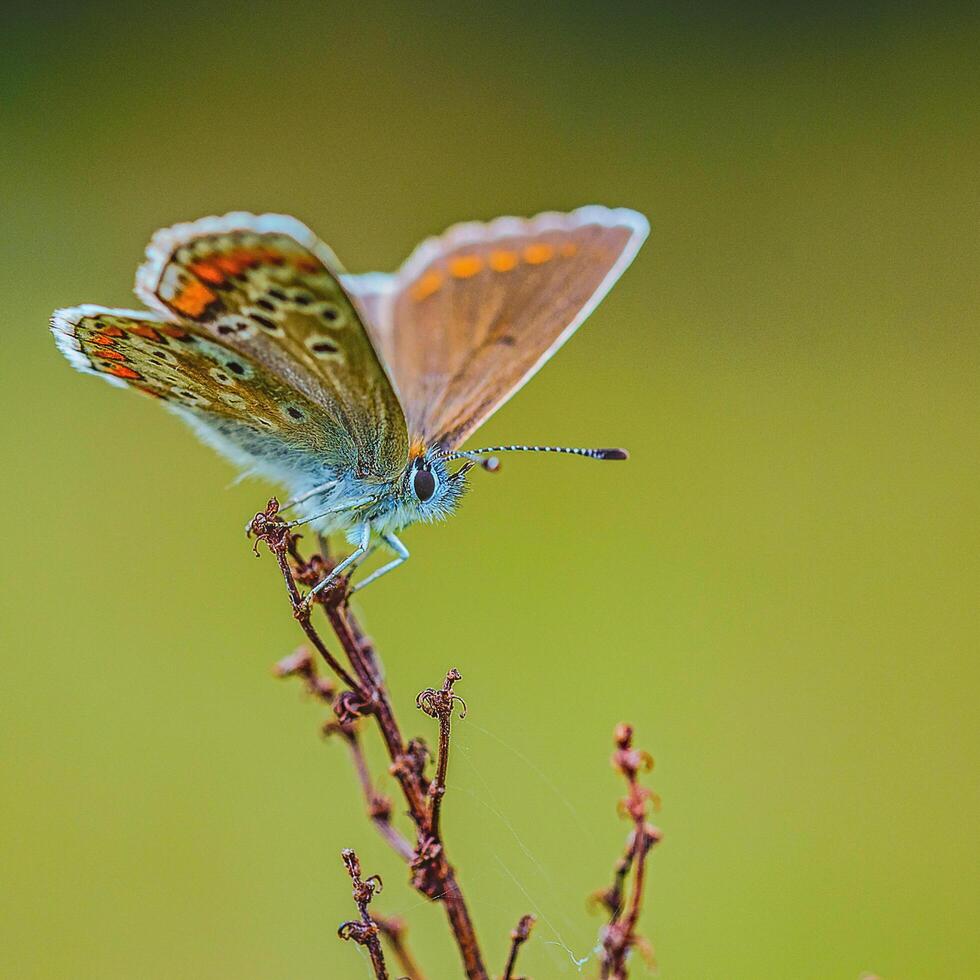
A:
[(378, 805), (367, 695), (518, 937), (365, 932), (439, 704), (618, 937), (301, 664), (266, 526), (393, 930)]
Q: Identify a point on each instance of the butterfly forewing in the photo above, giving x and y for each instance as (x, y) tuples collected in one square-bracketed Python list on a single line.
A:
[(267, 288), (473, 314)]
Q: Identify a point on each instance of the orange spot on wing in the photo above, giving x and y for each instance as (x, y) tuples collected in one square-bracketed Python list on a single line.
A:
[(148, 333), (568, 249), (502, 261), (537, 253), (103, 340), (429, 283), (465, 266), (225, 266), (240, 259), (110, 355), (121, 371), (194, 299), (175, 332), (211, 272), (218, 269), (110, 330)]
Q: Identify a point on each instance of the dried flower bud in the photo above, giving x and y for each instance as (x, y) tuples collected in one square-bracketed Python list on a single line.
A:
[(348, 707), (299, 662)]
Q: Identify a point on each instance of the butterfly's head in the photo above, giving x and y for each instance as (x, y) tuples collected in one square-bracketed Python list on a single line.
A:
[(429, 490)]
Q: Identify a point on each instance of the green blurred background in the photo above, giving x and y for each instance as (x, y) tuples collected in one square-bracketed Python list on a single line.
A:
[(777, 590)]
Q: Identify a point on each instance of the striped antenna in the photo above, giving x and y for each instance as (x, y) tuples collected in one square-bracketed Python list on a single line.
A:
[(590, 453)]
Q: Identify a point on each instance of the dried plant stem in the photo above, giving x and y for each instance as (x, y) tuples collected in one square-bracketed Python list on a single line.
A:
[(301, 664), (304, 621), (439, 704), (365, 931), (367, 695), (375, 698), (518, 937), (378, 805), (393, 930), (619, 936), (432, 875)]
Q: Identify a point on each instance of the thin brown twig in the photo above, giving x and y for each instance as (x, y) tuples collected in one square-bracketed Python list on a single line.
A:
[(301, 664), (393, 931), (266, 526), (378, 805), (518, 937), (612, 898), (377, 702), (439, 704), (432, 874), (365, 931), (619, 936)]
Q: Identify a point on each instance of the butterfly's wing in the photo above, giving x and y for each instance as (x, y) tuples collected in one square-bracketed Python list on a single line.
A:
[(266, 288), (370, 291), (235, 403), (474, 313)]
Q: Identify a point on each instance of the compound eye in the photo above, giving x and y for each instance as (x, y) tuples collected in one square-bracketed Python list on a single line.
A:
[(424, 484)]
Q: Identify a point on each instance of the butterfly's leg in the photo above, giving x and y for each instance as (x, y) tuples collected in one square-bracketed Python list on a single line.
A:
[(322, 488), (354, 566), (362, 546), (350, 505), (293, 501), (401, 556)]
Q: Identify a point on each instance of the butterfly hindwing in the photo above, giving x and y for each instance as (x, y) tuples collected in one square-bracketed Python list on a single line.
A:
[(267, 288), (234, 402), (474, 313), (370, 291)]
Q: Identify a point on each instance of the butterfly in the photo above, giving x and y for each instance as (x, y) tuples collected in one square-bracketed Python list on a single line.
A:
[(356, 392)]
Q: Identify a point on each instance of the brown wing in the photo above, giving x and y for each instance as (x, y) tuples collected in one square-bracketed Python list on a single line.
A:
[(473, 314), (265, 286)]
